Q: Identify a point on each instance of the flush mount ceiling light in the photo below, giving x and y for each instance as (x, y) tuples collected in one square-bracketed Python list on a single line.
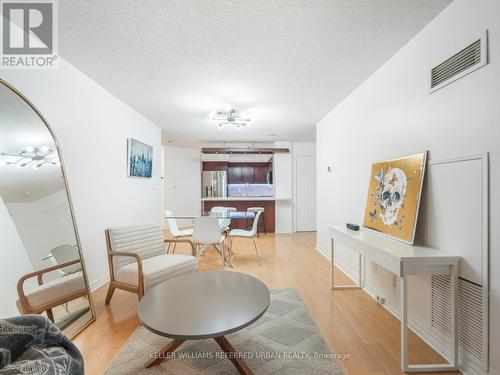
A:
[(30, 156), (229, 117)]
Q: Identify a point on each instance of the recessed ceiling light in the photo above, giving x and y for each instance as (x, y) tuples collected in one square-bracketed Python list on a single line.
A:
[(273, 135)]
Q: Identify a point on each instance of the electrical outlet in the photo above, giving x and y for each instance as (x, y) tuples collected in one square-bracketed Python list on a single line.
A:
[(381, 300)]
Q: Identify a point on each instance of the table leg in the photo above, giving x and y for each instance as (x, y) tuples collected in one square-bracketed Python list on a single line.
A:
[(404, 323), (360, 282), (405, 365), (454, 316), (169, 348), (240, 365)]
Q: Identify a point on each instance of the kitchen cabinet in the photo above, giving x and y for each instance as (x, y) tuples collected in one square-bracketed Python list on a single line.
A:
[(241, 173)]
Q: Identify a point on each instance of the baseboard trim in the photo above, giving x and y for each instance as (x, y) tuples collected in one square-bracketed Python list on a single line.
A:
[(96, 284)]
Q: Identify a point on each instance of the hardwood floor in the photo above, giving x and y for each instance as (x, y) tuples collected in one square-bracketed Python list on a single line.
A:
[(350, 321)]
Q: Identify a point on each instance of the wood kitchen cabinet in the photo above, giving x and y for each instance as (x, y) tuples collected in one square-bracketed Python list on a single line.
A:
[(241, 173), (234, 175), (260, 174)]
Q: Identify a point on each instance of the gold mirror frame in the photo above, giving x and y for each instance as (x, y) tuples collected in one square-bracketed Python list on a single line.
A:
[(70, 203)]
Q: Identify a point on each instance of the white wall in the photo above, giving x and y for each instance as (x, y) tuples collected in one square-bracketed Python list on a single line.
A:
[(392, 114), (182, 181), (283, 188), (92, 126), (14, 263), (43, 225)]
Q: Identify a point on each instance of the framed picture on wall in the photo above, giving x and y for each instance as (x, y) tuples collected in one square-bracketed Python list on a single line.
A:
[(394, 194), (139, 159)]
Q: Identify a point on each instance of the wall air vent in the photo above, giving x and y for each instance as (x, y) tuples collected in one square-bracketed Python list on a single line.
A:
[(472, 339), (472, 57)]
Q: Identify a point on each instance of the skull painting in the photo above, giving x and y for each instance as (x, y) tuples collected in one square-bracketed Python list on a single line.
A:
[(391, 194)]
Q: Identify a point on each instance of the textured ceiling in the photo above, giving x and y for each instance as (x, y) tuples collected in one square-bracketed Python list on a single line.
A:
[(284, 63)]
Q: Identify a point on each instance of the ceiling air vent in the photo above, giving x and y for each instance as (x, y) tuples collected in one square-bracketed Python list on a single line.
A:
[(472, 57)]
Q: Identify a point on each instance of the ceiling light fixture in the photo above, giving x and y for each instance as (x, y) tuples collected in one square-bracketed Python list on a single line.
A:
[(230, 118), (30, 156)]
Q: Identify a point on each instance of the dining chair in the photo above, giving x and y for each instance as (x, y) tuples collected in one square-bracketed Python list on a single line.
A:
[(62, 254), (206, 233), (263, 221), (174, 230), (246, 234)]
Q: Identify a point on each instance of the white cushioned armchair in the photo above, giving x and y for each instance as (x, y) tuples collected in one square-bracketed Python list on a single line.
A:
[(138, 260)]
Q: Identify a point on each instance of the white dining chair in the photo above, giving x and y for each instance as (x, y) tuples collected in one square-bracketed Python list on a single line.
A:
[(246, 234), (62, 254), (263, 224), (174, 229), (206, 233)]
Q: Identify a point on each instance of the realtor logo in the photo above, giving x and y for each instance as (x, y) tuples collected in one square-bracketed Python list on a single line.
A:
[(29, 34)]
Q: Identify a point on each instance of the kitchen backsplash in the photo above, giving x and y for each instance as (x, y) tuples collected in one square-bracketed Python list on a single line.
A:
[(250, 190)]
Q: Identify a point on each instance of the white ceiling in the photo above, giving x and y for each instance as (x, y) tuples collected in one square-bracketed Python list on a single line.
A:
[(20, 127), (284, 63)]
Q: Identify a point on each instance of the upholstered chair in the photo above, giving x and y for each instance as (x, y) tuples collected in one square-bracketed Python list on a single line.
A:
[(138, 260), (50, 294)]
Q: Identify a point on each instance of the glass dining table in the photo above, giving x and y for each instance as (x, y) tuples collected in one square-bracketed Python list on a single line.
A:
[(224, 219)]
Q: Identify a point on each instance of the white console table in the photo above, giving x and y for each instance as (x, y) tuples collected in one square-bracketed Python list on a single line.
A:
[(402, 260)]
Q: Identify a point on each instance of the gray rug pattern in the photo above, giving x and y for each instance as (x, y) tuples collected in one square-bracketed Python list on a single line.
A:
[(285, 341)]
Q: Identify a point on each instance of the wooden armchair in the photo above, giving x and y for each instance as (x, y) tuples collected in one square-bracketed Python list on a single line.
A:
[(52, 293), (138, 261)]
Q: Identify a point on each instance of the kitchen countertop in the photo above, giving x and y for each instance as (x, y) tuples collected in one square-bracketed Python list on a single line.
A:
[(244, 199)]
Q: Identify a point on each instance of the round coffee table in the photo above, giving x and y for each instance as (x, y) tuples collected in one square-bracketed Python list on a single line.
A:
[(203, 305)]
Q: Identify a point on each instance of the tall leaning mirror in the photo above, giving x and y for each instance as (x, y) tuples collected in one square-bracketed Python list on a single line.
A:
[(42, 270)]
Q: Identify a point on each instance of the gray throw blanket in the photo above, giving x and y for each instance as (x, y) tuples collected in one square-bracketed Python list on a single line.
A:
[(31, 344)]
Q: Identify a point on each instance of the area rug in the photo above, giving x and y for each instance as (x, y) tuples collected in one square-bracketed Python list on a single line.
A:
[(285, 341)]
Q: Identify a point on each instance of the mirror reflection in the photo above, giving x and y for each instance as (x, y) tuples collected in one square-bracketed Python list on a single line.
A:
[(40, 269)]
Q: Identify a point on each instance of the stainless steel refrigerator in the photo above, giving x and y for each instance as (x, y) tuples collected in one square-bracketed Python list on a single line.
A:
[(214, 184)]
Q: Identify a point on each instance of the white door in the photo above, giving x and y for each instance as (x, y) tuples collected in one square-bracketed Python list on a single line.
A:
[(305, 197)]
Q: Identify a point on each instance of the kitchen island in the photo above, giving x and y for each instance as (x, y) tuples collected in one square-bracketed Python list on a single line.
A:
[(241, 204)]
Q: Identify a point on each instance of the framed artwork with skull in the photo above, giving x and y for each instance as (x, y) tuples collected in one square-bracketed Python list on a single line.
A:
[(394, 196)]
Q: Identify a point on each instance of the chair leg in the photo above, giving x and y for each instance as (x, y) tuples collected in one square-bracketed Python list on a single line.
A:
[(111, 290), (221, 253), (256, 250), (168, 247), (50, 315), (223, 257), (264, 223), (230, 253), (140, 292), (197, 255), (173, 250)]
